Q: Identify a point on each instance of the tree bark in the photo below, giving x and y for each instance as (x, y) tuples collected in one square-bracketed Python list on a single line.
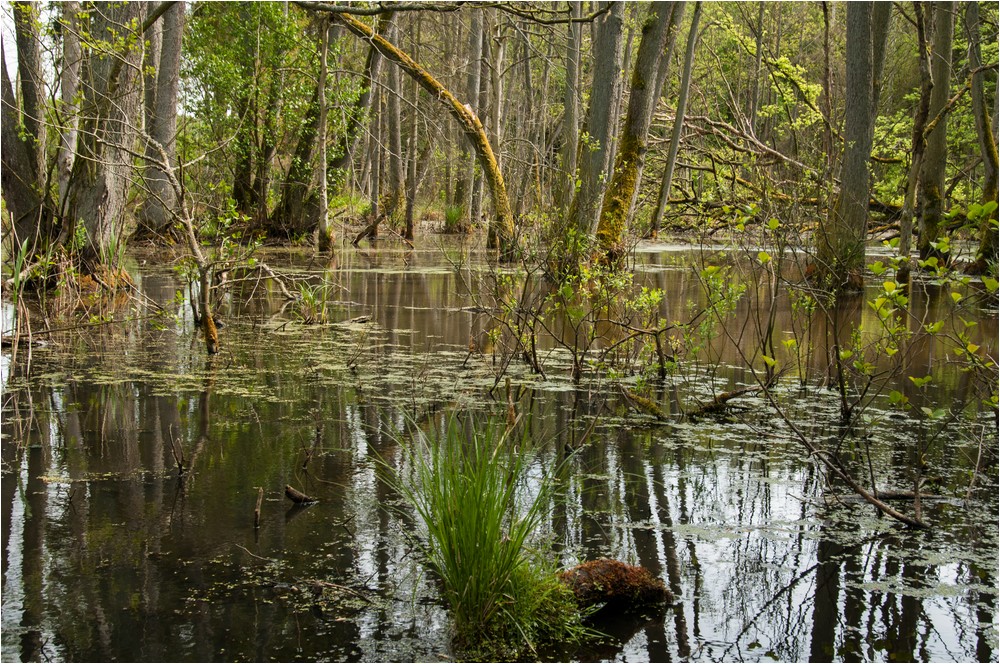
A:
[(675, 135), (326, 234), (20, 193), (69, 107), (918, 143), (29, 67), (840, 242), (619, 203), (395, 196), (373, 67), (987, 252), (932, 176), (571, 106), (595, 156), (156, 213), (113, 99), (468, 120)]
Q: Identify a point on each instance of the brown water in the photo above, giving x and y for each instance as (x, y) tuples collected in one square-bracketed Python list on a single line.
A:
[(109, 555)]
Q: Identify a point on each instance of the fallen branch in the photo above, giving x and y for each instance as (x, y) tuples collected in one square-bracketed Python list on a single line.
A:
[(718, 404), (298, 497)]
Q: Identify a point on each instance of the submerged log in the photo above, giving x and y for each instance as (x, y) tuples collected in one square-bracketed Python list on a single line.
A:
[(614, 583), (297, 496)]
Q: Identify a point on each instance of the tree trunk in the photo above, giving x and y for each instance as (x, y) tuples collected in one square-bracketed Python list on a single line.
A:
[(27, 22), (69, 108), (918, 144), (932, 176), (298, 191), (571, 106), (162, 128), (620, 201), (595, 157), (326, 235), (395, 196), (840, 242), (373, 68), (466, 175), (758, 56), (987, 252), (675, 135), (113, 100), (468, 120), (20, 192)]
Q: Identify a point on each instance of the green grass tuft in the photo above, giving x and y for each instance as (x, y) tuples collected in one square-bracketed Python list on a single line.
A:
[(470, 488)]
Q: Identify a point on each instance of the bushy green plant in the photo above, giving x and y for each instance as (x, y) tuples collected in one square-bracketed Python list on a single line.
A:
[(469, 486), (453, 215)]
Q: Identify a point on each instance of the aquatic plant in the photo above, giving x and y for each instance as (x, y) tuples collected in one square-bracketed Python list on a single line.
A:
[(469, 485)]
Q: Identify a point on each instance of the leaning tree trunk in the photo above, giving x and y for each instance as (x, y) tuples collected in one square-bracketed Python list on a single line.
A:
[(675, 134), (932, 180), (840, 242), (113, 100), (156, 213), (620, 201), (468, 120)]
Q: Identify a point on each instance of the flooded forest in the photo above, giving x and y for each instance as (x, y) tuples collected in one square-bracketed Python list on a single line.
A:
[(499, 331)]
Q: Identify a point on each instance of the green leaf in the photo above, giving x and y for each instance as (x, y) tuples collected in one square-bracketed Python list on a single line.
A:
[(956, 297), (877, 268), (889, 286), (935, 327), (773, 224), (764, 257), (920, 382), (991, 284), (845, 355), (769, 361)]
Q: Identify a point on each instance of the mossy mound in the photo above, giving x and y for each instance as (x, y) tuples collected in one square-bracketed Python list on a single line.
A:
[(614, 583)]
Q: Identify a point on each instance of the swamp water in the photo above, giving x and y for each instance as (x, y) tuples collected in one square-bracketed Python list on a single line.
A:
[(108, 555)]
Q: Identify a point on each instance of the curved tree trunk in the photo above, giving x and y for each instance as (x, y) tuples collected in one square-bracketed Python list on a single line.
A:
[(468, 120)]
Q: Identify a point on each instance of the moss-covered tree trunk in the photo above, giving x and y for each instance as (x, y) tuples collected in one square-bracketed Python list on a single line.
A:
[(932, 176), (469, 121), (620, 199)]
